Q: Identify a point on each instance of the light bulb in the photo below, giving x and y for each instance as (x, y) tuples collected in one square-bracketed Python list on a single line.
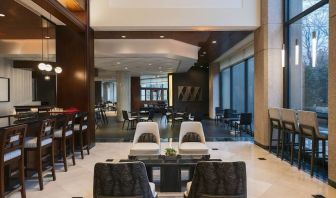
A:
[(48, 67), (314, 49), (41, 66), (47, 78), (58, 70)]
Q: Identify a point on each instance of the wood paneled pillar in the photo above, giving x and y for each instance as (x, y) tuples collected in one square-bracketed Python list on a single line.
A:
[(268, 72), (332, 95), (135, 94)]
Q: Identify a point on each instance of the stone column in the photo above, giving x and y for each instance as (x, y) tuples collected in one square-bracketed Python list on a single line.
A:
[(268, 72), (214, 89), (332, 94), (123, 93)]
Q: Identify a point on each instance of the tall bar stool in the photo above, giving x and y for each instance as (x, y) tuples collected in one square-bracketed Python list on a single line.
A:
[(290, 126), (275, 120), (37, 145), (309, 128), (11, 150), (82, 133), (65, 135)]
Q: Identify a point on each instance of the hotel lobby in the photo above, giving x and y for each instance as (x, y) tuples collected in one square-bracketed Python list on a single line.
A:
[(157, 98)]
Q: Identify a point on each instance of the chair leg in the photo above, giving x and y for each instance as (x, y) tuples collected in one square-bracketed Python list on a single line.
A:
[(22, 178), (282, 144), (312, 158), (81, 145), (300, 151), (279, 139), (270, 140), (39, 167), (292, 147), (2, 181), (73, 149), (53, 161), (87, 142), (63, 142), (123, 124), (323, 152)]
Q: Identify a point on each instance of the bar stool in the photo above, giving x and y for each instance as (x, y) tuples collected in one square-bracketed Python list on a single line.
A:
[(37, 145), (65, 135), (82, 133), (291, 127), (11, 150), (309, 129), (275, 120)]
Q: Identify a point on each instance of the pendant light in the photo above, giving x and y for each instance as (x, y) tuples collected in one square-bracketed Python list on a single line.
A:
[(283, 54), (314, 49), (297, 52), (42, 66)]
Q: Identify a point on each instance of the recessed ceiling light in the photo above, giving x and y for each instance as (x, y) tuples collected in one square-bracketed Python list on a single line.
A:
[(214, 42), (47, 37), (204, 52), (118, 63), (123, 36), (2, 15), (162, 36), (126, 68), (150, 64)]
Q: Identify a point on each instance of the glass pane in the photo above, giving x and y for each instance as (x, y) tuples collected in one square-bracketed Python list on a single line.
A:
[(159, 95), (143, 95), (298, 6), (154, 81), (165, 95), (154, 95), (226, 88), (309, 85), (148, 96), (238, 87), (250, 86)]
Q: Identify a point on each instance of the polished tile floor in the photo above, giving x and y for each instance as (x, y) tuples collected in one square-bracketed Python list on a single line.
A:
[(270, 178)]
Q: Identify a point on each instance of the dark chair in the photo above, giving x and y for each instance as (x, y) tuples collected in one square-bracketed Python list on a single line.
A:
[(229, 117), (65, 135), (11, 152), (82, 134), (275, 124), (309, 129), (218, 180), (42, 144), (178, 118), (122, 180), (128, 120), (218, 114), (246, 122), (198, 116), (149, 118)]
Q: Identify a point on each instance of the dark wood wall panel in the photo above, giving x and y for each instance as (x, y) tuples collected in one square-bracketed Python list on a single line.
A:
[(135, 93), (98, 92)]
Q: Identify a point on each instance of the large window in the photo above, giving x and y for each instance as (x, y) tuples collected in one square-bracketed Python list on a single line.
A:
[(154, 88), (308, 23), (237, 87)]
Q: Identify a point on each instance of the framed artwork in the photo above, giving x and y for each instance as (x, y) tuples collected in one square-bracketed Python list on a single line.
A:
[(4, 89)]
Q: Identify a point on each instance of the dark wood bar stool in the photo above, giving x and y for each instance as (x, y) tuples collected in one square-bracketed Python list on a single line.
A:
[(65, 135), (82, 134), (275, 121), (291, 127), (11, 145), (309, 129), (43, 148)]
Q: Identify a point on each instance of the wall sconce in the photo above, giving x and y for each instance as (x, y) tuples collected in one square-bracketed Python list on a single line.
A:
[(297, 52), (283, 64), (314, 49)]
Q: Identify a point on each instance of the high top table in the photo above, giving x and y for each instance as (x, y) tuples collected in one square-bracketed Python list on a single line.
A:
[(170, 169)]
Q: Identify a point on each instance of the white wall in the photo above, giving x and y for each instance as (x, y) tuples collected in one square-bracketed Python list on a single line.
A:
[(20, 86), (175, 14)]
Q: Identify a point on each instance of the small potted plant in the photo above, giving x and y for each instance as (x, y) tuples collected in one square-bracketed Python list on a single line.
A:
[(170, 152)]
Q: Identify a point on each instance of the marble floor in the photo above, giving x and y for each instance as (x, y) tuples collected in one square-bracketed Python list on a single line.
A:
[(265, 178)]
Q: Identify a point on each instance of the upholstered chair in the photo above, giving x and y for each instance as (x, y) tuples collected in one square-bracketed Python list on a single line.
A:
[(192, 140), (218, 180), (309, 129), (146, 139), (122, 180)]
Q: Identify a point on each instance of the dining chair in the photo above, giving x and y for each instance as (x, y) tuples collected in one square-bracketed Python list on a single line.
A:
[(244, 120), (82, 134), (42, 147), (12, 152), (192, 139), (65, 135), (128, 120), (117, 180), (218, 180), (309, 129)]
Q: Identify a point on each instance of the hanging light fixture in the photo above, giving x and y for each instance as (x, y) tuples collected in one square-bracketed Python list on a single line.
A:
[(314, 49), (297, 52), (46, 77), (42, 66), (283, 58), (58, 70)]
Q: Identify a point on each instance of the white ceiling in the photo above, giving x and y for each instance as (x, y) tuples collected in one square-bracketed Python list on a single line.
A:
[(152, 15), (144, 56)]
